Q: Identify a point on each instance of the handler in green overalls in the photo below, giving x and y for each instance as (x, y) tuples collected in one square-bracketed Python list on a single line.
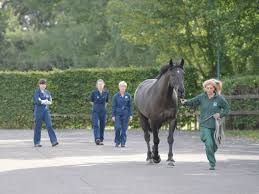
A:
[(212, 106)]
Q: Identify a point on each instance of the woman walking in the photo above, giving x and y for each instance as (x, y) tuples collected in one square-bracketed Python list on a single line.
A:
[(121, 114), (212, 106), (99, 100)]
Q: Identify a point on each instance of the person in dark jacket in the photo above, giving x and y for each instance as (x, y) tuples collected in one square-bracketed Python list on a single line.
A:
[(42, 100), (99, 100), (121, 114)]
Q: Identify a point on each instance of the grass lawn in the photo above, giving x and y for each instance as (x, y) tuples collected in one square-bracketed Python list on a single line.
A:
[(252, 134)]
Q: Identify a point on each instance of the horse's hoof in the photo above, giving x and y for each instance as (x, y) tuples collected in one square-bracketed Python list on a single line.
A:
[(149, 161), (156, 159), (170, 163), (170, 160)]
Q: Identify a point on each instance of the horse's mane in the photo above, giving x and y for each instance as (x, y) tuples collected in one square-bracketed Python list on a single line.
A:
[(163, 70)]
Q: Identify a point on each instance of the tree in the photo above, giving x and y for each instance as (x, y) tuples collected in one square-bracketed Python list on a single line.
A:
[(75, 34), (197, 30)]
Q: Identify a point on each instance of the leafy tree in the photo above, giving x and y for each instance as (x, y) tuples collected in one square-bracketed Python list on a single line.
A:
[(64, 34)]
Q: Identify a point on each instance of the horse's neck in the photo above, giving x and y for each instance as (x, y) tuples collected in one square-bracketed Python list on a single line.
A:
[(162, 87)]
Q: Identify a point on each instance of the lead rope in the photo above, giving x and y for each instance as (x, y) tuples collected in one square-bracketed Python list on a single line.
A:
[(219, 132)]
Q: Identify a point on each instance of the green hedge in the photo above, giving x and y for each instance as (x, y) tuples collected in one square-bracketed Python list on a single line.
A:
[(242, 85), (70, 90)]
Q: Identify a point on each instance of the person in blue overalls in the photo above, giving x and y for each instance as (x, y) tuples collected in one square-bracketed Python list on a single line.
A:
[(42, 100), (121, 114), (99, 100)]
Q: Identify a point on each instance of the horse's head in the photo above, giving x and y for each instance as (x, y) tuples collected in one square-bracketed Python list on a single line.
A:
[(177, 77)]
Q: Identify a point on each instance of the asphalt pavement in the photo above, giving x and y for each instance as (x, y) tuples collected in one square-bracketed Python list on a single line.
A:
[(78, 166)]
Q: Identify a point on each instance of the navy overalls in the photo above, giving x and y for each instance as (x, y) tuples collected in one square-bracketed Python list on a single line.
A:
[(121, 110), (99, 113), (41, 113)]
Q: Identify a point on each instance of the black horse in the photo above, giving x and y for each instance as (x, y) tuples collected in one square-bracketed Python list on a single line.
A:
[(157, 102)]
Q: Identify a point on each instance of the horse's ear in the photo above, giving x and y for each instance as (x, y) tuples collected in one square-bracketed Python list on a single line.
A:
[(182, 62), (171, 62)]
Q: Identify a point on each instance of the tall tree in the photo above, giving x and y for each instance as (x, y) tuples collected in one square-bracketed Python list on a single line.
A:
[(197, 30)]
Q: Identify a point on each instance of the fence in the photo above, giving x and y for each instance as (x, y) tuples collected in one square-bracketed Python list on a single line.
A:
[(243, 115), (193, 124), (236, 119)]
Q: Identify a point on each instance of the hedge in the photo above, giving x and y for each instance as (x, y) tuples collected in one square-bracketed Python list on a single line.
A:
[(70, 90), (242, 85)]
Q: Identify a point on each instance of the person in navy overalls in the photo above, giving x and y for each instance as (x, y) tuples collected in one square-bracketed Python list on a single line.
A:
[(42, 100), (121, 114), (99, 100)]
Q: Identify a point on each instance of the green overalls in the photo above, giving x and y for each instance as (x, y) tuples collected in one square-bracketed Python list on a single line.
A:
[(208, 107)]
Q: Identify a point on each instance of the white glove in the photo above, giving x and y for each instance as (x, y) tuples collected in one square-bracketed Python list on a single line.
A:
[(48, 102), (44, 102)]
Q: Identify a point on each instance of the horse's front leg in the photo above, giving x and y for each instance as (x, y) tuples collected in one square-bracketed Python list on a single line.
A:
[(170, 140), (156, 140)]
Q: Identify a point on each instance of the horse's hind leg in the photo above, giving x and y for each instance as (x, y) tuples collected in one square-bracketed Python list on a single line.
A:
[(146, 128), (170, 140)]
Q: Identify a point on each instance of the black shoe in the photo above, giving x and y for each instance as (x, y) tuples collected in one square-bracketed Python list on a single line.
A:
[(101, 143), (97, 142), (37, 145), (212, 168), (55, 144), (123, 145), (117, 145)]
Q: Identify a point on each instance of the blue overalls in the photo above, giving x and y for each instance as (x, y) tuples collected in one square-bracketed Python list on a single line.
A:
[(99, 113), (121, 110), (41, 113)]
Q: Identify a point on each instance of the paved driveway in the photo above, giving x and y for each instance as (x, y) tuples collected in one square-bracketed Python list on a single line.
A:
[(78, 166)]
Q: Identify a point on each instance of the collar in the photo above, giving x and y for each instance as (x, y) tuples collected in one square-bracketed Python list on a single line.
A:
[(215, 95), (100, 92)]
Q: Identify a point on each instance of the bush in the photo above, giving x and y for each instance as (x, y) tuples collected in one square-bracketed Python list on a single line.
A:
[(70, 90), (243, 85)]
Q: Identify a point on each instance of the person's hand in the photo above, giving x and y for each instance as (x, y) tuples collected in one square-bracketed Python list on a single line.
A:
[(216, 116), (183, 101), (44, 102), (130, 118), (48, 102), (113, 119)]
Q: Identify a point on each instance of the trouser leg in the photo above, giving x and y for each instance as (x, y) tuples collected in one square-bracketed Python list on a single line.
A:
[(118, 126), (51, 132), (124, 128), (102, 124), (95, 124), (37, 127), (207, 136)]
